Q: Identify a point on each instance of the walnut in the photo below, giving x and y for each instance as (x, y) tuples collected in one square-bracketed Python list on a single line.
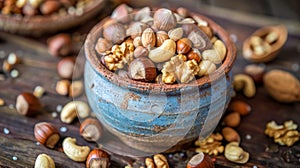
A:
[(119, 56), (212, 145), (179, 69), (158, 161), (285, 134)]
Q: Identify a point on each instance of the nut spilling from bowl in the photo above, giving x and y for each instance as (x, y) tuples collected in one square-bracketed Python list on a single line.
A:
[(161, 46)]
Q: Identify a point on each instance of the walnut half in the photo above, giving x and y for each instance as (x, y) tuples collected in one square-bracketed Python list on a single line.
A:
[(285, 134)]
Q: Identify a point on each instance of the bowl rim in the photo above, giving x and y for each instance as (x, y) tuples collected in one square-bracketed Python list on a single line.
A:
[(39, 24), (204, 81)]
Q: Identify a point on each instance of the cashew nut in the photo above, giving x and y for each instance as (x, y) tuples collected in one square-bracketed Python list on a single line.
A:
[(71, 109), (235, 153), (245, 83), (164, 52), (220, 47), (73, 151), (44, 161)]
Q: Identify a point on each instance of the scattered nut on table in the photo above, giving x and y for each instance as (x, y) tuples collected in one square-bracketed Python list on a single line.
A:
[(230, 135), (46, 134), (232, 119), (234, 153), (44, 161), (212, 145), (27, 104), (72, 109), (98, 158), (38, 91), (200, 160), (74, 151), (245, 83), (60, 45), (91, 129), (239, 106), (285, 134), (282, 86)]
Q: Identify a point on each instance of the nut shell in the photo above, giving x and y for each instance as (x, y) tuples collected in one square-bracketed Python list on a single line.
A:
[(164, 19), (142, 69), (91, 130), (184, 45), (98, 158), (114, 32), (46, 134), (27, 104), (200, 160)]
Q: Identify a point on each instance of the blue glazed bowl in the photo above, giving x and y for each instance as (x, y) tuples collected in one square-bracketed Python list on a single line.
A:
[(152, 117)]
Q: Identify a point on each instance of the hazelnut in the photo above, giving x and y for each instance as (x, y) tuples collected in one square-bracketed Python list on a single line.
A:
[(65, 67), (49, 7), (13, 59), (194, 54), (121, 13), (91, 130), (62, 87), (98, 158), (60, 45), (6, 67), (183, 46), (102, 45), (27, 104), (164, 19), (200, 160), (140, 51), (142, 69), (46, 134), (114, 32)]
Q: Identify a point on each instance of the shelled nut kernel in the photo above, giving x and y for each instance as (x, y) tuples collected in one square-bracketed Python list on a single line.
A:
[(76, 88), (62, 87), (285, 134), (245, 83), (230, 135), (74, 151), (239, 106), (38, 91), (46, 134), (72, 109), (44, 161), (235, 153), (65, 67), (212, 145)]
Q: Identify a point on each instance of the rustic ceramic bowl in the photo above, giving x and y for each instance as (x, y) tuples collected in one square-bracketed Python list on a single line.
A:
[(155, 117), (38, 25), (275, 48)]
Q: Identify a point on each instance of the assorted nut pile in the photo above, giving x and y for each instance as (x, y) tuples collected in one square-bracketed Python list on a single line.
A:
[(164, 47), (42, 7)]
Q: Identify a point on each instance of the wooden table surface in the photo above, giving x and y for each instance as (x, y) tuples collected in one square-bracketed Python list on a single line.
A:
[(19, 147)]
